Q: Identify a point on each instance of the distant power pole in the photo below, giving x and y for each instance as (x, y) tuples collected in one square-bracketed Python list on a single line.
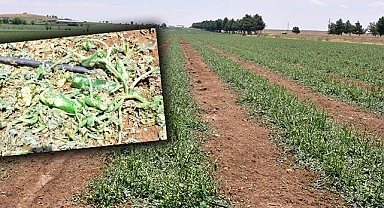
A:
[(288, 28)]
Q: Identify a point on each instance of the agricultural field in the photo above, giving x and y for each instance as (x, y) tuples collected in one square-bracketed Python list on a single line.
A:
[(251, 122), (15, 33), (349, 159)]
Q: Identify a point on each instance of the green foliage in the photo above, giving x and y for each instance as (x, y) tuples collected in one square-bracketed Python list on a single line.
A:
[(172, 174), (372, 28), (380, 26), (296, 30), (245, 25), (358, 29), (312, 63), (332, 28), (48, 26), (347, 161), (14, 33), (18, 21), (339, 27), (348, 27)]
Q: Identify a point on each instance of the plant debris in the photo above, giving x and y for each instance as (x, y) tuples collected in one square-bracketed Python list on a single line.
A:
[(49, 109)]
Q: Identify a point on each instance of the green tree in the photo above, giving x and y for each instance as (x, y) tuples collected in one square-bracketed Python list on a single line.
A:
[(257, 23), (16, 21), (296, 30), (380, 26), (358, 29), (230, 25), (332, 28), (246, 24), (48, 26), (32, 22), (236, 26), (348, 28), (5, 20), (225, 24), (372, 28), (219, 25), (339, 27)]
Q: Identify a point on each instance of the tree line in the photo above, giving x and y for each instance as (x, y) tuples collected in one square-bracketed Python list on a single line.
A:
[(340, 27), (245, 25), (15, 21)]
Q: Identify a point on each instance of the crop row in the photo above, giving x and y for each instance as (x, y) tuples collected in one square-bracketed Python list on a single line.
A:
[(309, 66), (16, 35), (171, 174), (347, 161), (357, 61)]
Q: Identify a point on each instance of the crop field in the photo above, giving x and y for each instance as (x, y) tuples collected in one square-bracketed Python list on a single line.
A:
[(15, 33), (248, 125), (349, 161), (323, 66)]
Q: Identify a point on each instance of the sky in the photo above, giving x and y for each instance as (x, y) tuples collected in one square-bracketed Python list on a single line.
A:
[(306, 14)]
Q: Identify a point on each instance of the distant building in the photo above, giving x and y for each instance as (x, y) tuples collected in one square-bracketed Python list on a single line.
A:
[(66, 21)]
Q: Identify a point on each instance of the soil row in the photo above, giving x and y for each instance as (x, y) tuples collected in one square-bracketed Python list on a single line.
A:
[(251, 171), (367, 122)]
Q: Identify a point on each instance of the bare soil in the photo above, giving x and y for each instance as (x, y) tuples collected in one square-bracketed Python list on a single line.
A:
[(324, 36), (49, 179), (252, 170)]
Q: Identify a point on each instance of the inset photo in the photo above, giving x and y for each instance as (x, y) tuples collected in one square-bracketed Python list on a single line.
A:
[(80, 92)]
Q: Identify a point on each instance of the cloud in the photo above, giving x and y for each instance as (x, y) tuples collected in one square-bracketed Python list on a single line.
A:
[(344, 6), (317, 3), (376, 4)]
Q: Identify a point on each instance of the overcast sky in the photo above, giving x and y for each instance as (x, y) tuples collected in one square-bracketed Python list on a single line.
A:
[(306, 14)]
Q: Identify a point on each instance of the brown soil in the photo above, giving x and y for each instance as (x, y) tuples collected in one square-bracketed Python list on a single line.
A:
[(365, 120), (358, 83), (324, 36), (251, 169), (48, 179), (36, 16)]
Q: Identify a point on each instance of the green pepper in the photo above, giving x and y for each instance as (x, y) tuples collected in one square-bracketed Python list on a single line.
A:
[(61, 102), (96, 103), (82, 82)]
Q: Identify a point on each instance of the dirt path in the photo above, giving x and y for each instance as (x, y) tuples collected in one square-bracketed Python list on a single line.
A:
[(48, 179), (366, 121), (251, 172)]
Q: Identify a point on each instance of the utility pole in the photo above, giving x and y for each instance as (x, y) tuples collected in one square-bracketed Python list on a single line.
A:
[(288, 28)]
